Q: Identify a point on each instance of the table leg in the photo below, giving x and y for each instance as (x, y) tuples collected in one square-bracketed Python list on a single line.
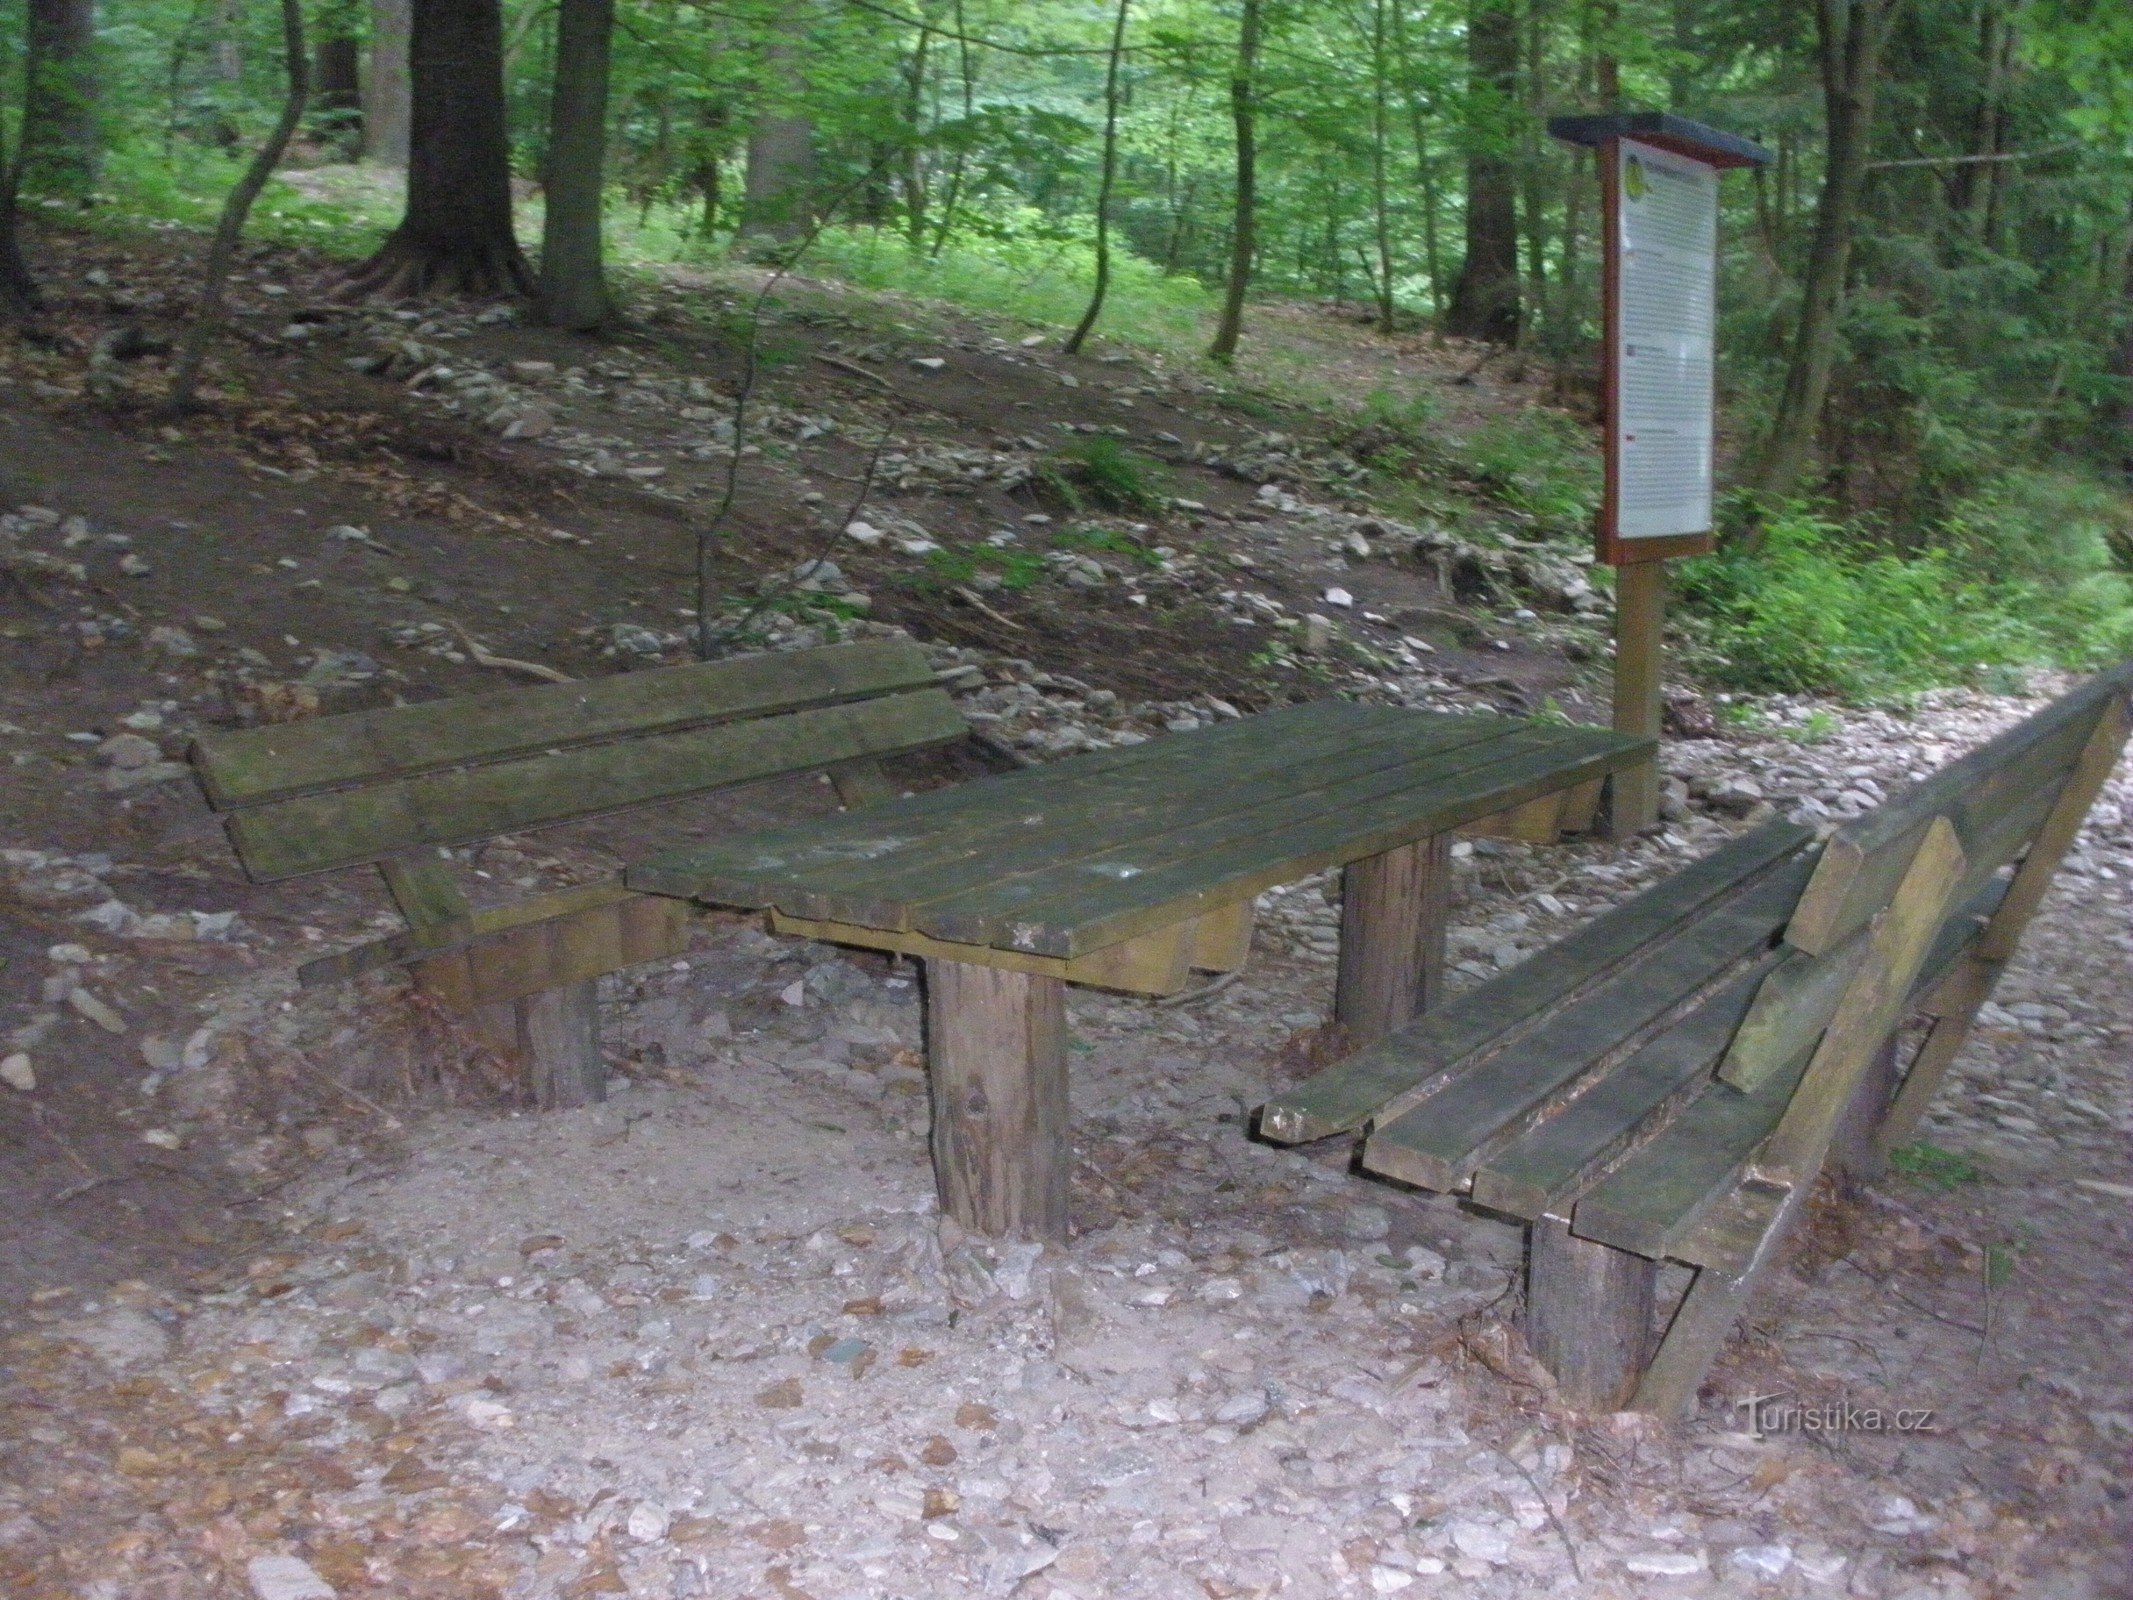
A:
[(996, 1043), (1393, 912)]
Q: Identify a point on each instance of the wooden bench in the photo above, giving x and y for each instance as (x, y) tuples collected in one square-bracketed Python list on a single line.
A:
[(1667, 1083), (392, 788)]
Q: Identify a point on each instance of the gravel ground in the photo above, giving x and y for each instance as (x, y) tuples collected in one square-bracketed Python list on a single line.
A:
[(713, 1339)]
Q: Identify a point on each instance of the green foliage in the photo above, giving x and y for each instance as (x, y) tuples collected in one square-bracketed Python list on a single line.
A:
[(1095, 469), (1538, 462), (1819, 610), (1026, 268), (1930, 1164)]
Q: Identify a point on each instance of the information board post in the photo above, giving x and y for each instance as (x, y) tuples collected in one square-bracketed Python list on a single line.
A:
[(1659, 211)]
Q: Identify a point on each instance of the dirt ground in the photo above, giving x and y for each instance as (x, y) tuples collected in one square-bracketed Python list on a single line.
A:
[(294, 1294)]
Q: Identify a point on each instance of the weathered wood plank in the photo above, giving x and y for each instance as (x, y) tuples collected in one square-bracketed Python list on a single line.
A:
[(1962, 992), (1222, 938), (1538, 821), (1791, 1009), (1543, 1172), (996, 1041), (861, 783), (1732, 1232), (1659, 1196), (1440, 1139), (1393, 914), (1588, 1314), (1157, 963), (601, 933), (400, 948), (254, 765), (313, 832), (1100, 899), (1871, 1008), (428, 896), (1138, 812), (559, 1034), (1706, 1315), (969, 820), (2092, 769), (1386, 1078), (1866, 856)]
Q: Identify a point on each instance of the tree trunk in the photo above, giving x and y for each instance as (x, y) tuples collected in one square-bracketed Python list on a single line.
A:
[(228, 48), (1380, 201), (914, 162), (60, 148), (1425, 168), (1104, 186), (208, 317), (1244, 113), (777, 198), (1851, 35), (456, 237), (388, 98), (573, 292), (337, 85), (18, 290), (1485, 294)]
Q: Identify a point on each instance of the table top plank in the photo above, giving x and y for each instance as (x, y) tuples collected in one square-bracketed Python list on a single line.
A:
[(827, 855), (1226, 796), (1100, 910), (1066, 859)]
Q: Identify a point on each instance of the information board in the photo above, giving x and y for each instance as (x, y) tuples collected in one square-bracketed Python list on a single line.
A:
[(1662, 306)]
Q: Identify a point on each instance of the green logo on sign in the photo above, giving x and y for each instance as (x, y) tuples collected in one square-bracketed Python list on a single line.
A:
[(1633, 183)]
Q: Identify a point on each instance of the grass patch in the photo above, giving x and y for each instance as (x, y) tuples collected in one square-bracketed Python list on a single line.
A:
[(1096, 470), (1930, 1164)]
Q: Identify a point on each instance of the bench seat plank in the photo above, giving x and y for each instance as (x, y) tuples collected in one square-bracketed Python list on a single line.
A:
[(1438, 1141), (1386, 1078), (255, 765), (1652, 1202), (1541, 1173), (311, 833)]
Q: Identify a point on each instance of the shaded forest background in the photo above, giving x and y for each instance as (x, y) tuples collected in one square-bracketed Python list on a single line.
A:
[(1927, 297)]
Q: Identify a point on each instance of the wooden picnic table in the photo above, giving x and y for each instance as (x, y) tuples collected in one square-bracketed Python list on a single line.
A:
[(1126, 867)]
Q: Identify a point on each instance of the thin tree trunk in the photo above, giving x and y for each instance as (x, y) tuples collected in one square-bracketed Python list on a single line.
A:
[(1244, 112), (1104, 186), (61, 151), (456, 236), (337, 76), (778, 192), (914, 162), (1425, 169), (573, 290), (388, 98), (1380, 202), (954, 197), (207, 319), (1485, 295), (18, 290), (228, 50), (1851, 35)]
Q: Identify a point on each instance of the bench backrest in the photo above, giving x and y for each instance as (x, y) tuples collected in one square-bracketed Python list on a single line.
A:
[(364, 787)]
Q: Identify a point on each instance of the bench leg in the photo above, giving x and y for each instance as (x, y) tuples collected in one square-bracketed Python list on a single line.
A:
[(1588, 1314), (1393, 912), (996, 1043), (559, 1040), (1854, 1151)]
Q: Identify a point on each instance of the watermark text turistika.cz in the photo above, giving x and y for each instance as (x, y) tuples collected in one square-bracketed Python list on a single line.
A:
[(1780, 1413)]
